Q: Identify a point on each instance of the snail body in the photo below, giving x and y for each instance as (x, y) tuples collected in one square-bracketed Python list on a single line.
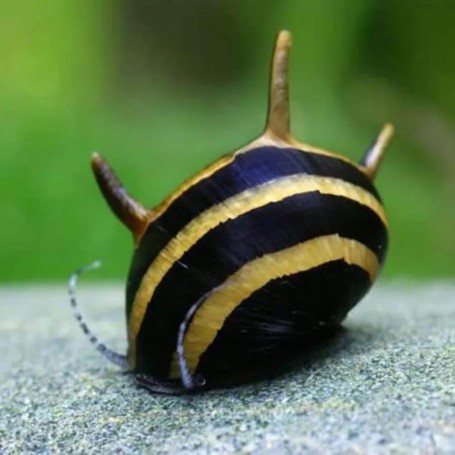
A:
[(251, 259)]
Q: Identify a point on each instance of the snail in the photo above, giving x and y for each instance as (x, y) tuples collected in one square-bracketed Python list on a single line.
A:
[(250, 260)]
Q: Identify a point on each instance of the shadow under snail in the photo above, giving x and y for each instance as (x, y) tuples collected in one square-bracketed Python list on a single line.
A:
[(250, 260)]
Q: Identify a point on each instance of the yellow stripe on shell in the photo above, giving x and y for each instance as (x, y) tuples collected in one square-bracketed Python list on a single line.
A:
[(254, 275), (231, 208)]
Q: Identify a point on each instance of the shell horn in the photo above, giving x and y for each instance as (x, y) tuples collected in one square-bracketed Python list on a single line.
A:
[(375, 153), (129, 211), (278, 111)]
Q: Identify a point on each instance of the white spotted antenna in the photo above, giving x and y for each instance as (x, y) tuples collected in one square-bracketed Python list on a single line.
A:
[(114, 357)]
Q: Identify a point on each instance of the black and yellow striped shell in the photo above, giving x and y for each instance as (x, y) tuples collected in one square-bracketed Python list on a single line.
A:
[(252, 258)]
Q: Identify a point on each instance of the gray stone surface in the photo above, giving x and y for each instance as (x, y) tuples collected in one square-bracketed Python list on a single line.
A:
[(386, 385)]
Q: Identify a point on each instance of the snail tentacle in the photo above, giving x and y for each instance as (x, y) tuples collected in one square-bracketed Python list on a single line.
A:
[(190, 380), (116, 358)]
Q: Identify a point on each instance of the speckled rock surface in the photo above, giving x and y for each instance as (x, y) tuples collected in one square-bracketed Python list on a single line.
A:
[(385, 385)]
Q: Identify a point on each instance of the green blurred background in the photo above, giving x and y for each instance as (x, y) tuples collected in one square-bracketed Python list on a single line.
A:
[(164, 87)]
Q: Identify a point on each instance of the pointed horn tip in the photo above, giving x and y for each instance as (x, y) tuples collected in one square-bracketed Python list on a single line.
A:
[(389, 128), (97, 162), (386, 134), (284, 39), (96, 157)]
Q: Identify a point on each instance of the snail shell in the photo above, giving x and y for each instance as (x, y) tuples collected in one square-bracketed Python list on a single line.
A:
[(251, 259)]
